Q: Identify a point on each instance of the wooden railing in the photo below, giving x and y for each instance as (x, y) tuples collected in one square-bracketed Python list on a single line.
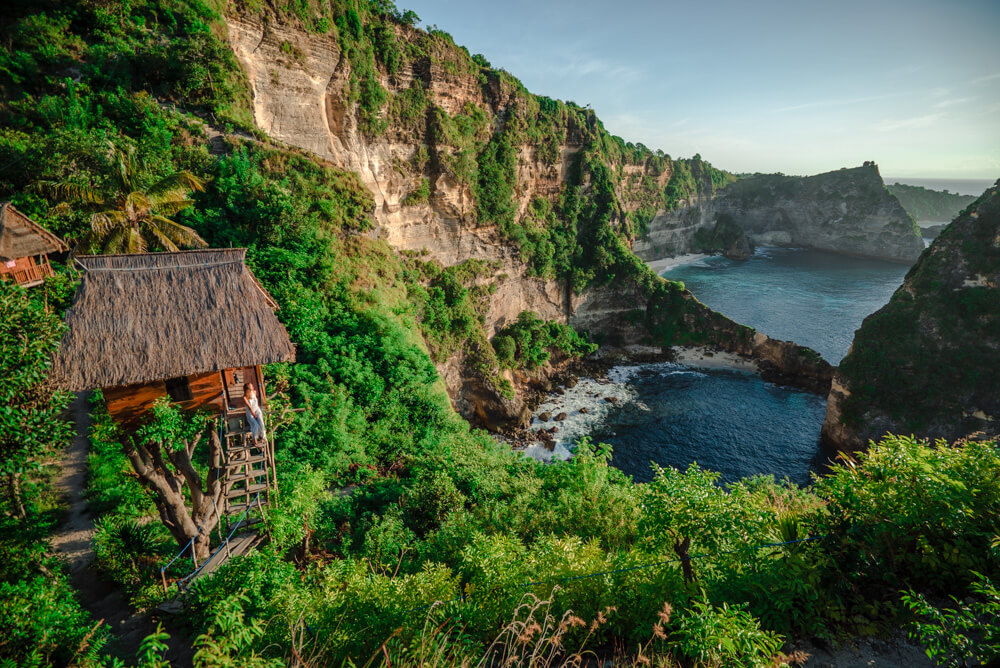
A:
[(30, 273)]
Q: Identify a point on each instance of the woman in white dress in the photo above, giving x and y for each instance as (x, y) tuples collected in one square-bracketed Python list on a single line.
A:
[(255, 416)]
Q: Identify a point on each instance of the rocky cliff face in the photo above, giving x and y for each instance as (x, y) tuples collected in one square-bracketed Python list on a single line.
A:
[(846, 211), (445, 121), (927, 363)]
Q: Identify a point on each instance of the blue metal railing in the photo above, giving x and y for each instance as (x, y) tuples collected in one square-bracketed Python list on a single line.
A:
[(225, 544)]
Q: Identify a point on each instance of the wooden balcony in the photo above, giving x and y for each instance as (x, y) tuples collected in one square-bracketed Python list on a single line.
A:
[(26, 271)]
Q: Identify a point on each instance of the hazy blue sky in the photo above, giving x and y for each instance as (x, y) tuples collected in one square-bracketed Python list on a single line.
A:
[(798, 87)]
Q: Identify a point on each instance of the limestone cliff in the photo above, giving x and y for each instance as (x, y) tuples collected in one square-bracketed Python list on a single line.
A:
[(928, 363), (845, 211), (464, 163)]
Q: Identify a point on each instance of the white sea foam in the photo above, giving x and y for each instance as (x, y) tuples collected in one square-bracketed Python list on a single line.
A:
[(592, 394)]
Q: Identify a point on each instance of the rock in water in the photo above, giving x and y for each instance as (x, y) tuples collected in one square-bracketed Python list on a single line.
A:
[(928, 362), (544, 417), (560, 417)]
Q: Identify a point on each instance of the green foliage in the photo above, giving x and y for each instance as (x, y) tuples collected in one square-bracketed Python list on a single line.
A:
[(229, 639), (967, 634), (30, 406), (44, 625), (419, 195), (129, 553), (528, 342), (111, 484), (724, 636), (925, 204), (919, 515)]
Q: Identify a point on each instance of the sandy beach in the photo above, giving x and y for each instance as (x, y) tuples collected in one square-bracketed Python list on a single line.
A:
[(700, 358), (663, 264)]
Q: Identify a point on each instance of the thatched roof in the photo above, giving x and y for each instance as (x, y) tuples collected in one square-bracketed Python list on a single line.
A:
[(22, 237), (139, 318)]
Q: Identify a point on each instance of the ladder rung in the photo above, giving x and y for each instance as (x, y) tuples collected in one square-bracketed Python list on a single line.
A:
[(252, 489), (240, 477), (238, 508), (244, 449), (255, 459)]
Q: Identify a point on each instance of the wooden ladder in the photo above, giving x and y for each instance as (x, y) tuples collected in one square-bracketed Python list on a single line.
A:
[(249, 466)]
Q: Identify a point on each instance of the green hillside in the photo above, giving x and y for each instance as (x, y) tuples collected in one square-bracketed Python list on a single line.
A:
[(402, 536), (926, 204)]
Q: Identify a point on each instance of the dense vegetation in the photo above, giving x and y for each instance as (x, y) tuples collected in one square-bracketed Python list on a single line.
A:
[(401, 536), (946, 316), (926, 204)]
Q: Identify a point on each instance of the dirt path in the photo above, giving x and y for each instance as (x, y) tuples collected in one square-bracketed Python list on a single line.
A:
[(73, 543)]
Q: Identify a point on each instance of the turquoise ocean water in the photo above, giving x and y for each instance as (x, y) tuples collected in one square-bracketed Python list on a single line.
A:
[(734, 422)]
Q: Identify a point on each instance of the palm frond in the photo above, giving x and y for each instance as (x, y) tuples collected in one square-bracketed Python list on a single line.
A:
[(161, 238), (128, 166), (183, 181), (67, 191), (137, 201), (136, 244), (182, 235), (103, 222), (117, 241), (172, 207)]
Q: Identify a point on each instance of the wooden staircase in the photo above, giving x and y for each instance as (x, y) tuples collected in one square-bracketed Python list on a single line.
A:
[(249, 466)]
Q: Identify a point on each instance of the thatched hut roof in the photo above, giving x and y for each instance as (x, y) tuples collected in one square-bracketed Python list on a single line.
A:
[(22, 237), (139, 318)]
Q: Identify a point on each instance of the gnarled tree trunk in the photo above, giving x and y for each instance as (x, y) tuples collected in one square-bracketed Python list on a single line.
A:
[(167, 484)]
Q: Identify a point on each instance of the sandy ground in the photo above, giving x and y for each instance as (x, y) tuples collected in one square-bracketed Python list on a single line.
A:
[(700, 358), (665, 263)]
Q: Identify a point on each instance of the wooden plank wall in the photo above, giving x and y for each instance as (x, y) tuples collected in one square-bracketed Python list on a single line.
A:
[(129, 404)]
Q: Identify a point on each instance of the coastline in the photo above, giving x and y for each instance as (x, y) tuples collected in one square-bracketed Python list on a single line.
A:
[(666, 263), (573, 409)]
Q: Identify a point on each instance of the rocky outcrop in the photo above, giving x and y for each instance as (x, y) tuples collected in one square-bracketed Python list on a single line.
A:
[(846, 211), (927, 363)]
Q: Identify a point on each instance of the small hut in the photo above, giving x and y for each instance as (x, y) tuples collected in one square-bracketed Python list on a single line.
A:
[(193, 325), (25, 247)]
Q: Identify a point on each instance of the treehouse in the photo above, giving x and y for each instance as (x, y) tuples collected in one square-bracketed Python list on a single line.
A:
[(25, 247), (193, 326)]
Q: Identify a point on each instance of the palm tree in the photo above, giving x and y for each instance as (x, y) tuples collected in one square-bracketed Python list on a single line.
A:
[(127, 218)]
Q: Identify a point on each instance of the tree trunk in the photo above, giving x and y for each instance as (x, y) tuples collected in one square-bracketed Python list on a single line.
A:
[(682, 547), (167, 486), (14, 490)]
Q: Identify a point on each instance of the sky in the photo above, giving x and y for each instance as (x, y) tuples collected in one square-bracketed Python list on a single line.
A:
[(796, 87)]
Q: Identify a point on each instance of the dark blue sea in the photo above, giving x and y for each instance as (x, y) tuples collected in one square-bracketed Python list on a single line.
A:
[(734, 422)]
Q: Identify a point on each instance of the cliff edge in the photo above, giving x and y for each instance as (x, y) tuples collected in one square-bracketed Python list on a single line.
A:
[(927, 363), (845, 211)]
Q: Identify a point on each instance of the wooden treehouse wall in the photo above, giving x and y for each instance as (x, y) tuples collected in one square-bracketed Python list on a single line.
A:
[(128, 404)]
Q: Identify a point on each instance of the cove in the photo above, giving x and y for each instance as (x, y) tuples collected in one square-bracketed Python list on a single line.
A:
[(727, 420)]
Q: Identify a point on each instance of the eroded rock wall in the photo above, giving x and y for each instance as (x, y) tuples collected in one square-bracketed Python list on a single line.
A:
[(846, 211)]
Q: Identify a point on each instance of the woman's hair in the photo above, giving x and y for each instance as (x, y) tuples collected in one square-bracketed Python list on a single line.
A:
[(247, 386)]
